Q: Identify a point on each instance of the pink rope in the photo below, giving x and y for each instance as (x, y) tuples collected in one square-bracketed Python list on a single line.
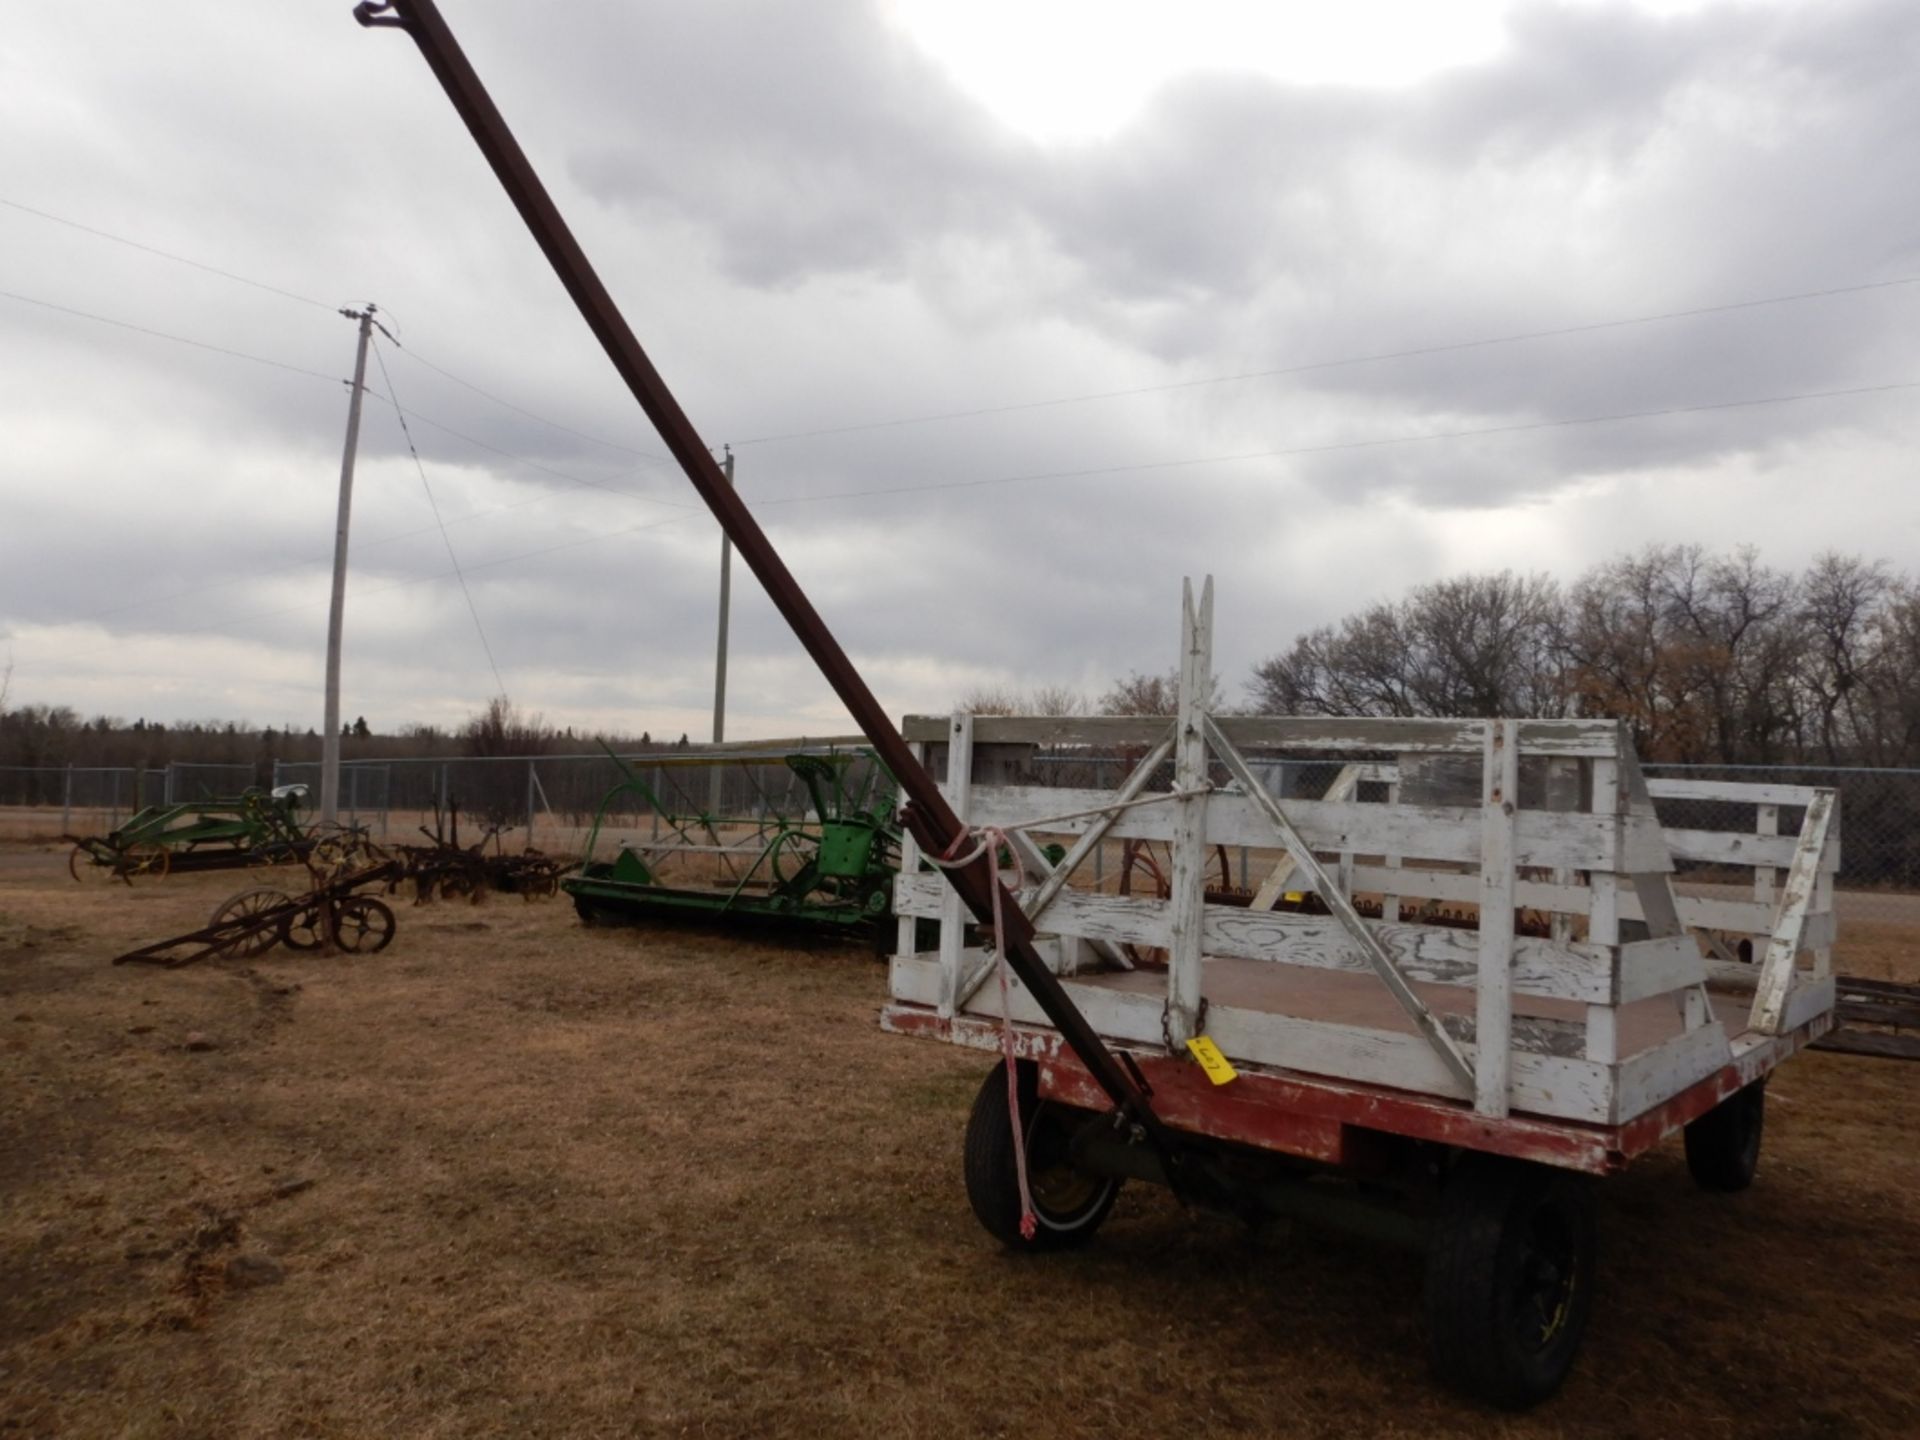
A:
[(991, 839)]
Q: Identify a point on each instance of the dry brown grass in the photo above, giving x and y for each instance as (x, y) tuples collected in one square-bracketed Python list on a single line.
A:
[(656, 1182)]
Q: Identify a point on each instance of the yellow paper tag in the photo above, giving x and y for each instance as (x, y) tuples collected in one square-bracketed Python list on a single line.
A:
[(1218, 1069)]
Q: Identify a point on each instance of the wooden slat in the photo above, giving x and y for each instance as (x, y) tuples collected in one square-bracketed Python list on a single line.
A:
[(1186, 881), (1796, 897), (1493, 994), (958, 736), (1542, 839), (1559, 1086), (1586, 738), (1734, 792), (1876, 1043), (1433, 954)]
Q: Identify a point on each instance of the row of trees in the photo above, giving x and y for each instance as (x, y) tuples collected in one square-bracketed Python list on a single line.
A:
[(1710, 658), (54, 735)]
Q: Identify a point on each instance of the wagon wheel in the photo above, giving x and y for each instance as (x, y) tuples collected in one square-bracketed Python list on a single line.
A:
[(1068, 1203), (363, 925), (87, 868), (248, 905), (274, 852), (1509, 1278), (304, 929), (1723, 1145), (147, 858)]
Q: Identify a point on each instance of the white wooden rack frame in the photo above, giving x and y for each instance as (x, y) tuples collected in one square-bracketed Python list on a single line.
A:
[(1634, 993)]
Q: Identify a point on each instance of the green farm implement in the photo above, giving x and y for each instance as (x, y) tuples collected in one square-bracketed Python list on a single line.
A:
[(253, 828), (828, 863)]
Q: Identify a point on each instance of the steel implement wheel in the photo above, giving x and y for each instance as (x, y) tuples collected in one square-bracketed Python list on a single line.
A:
[(1723, 1145), (247, 905), (147, 859), (363, 925), (1068, 1203), (1509, 1278), (304, 929), (87, 868)]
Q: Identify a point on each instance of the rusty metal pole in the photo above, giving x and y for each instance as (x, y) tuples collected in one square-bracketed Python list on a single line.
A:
[(928, 816)]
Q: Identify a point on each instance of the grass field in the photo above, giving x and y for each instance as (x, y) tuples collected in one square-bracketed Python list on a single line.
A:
[(513, 1177)]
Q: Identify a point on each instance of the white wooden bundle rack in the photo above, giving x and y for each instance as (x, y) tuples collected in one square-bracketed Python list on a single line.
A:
[(1575, 1002)]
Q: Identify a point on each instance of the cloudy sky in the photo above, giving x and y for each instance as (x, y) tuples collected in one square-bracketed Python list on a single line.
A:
[(1014, 314)]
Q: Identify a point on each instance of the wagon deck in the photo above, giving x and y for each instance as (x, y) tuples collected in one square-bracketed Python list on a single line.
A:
[(1518, 885)]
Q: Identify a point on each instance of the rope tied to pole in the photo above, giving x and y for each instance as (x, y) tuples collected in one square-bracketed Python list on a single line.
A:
[(988, 839)]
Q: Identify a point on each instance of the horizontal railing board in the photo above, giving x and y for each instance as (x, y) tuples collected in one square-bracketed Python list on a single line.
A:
[(1744, 917), (1731, 792), (1427, 954), (1559, 1086), (1593, 739), (1542, 838)]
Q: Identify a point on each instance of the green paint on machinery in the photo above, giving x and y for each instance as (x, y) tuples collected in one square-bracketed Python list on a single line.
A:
[(830, 864), (251, 828)]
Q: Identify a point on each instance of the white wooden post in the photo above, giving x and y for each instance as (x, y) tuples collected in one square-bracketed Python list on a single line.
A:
[(1765, 876), (1603, 916), (1390, 904), (953, 930), (906, 941), (1493, 1010), (1188, 878)]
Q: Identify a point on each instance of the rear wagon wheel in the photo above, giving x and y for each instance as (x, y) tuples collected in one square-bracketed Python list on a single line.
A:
[(1068, 1203), (1509, 1279), (1723, 1145)]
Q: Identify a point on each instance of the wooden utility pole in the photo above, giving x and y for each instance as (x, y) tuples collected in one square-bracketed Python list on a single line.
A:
[(330, 736), (720, 646)]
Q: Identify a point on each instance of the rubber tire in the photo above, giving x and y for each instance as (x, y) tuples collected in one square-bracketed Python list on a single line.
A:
[(993, 1183), (1473, 1268), (1723, 1145)]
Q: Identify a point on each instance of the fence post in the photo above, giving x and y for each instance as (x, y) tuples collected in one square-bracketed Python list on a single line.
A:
[(529, 802), (66, 803), (114, 822)]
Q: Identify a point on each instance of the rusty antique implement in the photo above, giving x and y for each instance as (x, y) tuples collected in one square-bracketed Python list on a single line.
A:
[(254, 921), (927, 816)]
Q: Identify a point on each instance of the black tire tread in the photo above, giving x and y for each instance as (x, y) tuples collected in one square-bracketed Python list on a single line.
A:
[(1483, 1195), (993, 1184), (1722, 1155)]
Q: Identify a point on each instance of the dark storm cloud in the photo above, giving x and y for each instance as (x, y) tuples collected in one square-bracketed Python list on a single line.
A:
[(809, 225)]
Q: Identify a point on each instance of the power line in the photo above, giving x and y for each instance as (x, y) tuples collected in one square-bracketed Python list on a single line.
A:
[(536, 465), (165, 254), (1308, 367), (307, 608), (648, 455), (165, 335), (237, 278), (445, 539), (1339, 445)]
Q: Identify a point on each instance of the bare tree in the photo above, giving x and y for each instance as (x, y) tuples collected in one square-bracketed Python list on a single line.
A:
[(1153, 695), (1477, 645), (502, 729)]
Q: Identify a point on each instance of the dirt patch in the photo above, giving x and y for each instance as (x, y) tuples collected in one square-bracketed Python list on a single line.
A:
[(539, 1179)]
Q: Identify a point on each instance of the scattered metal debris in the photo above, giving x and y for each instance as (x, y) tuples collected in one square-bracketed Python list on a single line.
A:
[(448, 870)]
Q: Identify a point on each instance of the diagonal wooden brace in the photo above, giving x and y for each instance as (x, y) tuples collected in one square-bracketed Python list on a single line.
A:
[(1129, 790), (1342, 907), (1783, 950)]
